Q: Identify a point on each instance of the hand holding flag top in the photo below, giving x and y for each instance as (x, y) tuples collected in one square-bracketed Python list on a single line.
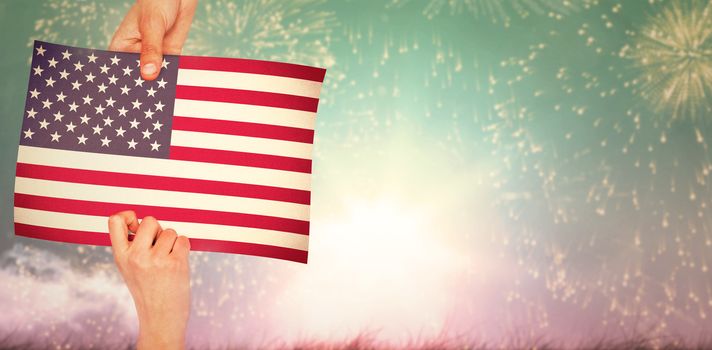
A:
[(154, 27)]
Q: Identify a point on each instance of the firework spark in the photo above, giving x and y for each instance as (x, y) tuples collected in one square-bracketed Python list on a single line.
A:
[(570, 158), (64, 21), (267, 29), (289, 31), (497, 11), (674, 54)]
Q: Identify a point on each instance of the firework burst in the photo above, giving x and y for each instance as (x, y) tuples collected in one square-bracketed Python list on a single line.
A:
[(267, 29), (289, 31), (673, 52), (496, 11), (584, 153), (64, 21)]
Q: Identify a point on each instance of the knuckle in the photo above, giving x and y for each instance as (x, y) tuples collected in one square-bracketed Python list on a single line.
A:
[(184, 241), (150, 49), (139, 261), (149, 221), (115, 219), (173, 263), (170, 235), (170, 238), (160, 263), (132, 256), (166, 264), (170, 231), (180, 263), (145, 264), (165, 235), (134, 263)]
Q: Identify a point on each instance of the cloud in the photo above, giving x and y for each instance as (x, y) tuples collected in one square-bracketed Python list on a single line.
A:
[(46, 301)]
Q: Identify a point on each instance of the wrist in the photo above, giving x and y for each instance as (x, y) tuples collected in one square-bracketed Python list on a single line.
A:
[(159, 329), (160, 335)]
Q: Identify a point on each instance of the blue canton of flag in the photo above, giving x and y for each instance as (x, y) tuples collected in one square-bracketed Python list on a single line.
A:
[(95, 101)]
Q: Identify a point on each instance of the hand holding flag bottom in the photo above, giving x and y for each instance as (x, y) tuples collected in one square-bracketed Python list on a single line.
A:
[(157, 275), (217, 148)]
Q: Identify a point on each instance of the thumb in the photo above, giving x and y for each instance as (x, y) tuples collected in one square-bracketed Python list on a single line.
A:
[(152, 27), (119, 226)]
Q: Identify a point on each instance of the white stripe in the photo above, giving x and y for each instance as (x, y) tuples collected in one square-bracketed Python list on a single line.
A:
[(160, 198), (244, 113), (163, 167), (241, 144), (90, 223), (248, 81)]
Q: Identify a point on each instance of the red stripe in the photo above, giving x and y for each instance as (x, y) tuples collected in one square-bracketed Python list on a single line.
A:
[(247, 97), (165, 183), (269, 251), (59, 235), (169, 214), (241, 158), (227, 127), (253, 66), (196, 244)]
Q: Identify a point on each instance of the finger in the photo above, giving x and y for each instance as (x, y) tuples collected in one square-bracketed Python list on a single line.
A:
[(126, 37), (175, 37), (152, 26), (119, 226), (165, 241), (130, 45), (181, 247), (147, 231)]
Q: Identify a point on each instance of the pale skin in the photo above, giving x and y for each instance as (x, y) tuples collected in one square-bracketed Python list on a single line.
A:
[(154, 28), (155, 268), (154, 264)]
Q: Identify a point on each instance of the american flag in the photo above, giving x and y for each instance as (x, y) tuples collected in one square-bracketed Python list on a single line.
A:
[(217, 148)]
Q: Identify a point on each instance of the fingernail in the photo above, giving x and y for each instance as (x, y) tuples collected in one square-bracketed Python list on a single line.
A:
[(149, 69)]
